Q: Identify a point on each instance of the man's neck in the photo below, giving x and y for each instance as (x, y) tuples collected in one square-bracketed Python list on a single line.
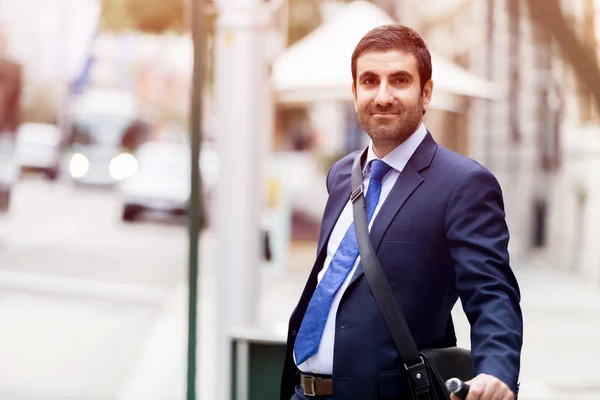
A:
[(383, 147)]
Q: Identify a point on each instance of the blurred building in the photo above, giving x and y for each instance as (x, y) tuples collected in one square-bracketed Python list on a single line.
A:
[(541, 138), (575, 213)]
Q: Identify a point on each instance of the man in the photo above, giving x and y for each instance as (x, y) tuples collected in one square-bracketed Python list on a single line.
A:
[(439, 232)]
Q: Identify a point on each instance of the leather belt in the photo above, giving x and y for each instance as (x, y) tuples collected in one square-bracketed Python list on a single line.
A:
[(316, 385)]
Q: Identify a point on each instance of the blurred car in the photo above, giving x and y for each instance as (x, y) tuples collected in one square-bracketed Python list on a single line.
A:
[(8, 169), (105, 133), (38, 148), (162, 180), (101, 149)]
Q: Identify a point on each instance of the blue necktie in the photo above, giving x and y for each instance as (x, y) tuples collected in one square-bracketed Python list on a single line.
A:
[(313, 324)]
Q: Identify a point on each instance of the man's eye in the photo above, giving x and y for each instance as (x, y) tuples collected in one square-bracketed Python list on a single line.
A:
[(401, 80), (369, 81)]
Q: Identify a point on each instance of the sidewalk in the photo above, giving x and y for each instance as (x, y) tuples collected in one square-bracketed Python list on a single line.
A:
[(561, 330), (562, 327)]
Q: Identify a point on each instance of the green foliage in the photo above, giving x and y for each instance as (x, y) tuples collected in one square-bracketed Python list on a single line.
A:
[(304, 17), (151, 16)]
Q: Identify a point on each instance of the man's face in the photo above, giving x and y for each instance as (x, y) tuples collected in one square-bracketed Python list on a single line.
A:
[(387, 95)]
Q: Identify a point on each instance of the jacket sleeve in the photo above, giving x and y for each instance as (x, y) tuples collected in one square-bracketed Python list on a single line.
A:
[(478, 238)]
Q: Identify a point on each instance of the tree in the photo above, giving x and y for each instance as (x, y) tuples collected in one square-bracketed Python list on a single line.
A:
[(152, 16), (304, 17)]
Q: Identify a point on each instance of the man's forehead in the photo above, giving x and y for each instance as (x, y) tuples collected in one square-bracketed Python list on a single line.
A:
[(386, 61)]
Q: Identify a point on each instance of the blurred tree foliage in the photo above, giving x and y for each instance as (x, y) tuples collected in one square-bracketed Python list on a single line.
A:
[(152, 16), (304, 17), (157, 16)]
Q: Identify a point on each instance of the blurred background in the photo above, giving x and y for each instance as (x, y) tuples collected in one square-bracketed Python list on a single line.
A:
[(95, 180)]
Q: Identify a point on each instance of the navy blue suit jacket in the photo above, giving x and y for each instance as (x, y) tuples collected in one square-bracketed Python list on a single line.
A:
[(440, 234)]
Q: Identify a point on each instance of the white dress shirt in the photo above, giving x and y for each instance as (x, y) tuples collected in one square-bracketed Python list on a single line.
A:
[(322, 362)]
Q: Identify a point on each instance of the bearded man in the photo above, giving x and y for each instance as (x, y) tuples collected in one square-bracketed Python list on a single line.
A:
[(438, 229)]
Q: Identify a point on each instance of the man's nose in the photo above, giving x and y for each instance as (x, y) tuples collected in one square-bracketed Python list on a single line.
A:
[(383, 95)]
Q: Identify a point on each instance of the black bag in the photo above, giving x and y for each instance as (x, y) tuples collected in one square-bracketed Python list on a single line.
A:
[(429, 369)]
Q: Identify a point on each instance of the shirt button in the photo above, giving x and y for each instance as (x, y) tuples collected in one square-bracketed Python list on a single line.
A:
[(294, 333)]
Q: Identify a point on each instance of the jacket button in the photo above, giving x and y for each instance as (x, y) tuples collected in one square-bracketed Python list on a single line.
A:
[(294, 333)]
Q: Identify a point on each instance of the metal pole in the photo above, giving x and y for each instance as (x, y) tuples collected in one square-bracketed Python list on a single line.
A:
[(488, 157), (239, 89), (195, 204)]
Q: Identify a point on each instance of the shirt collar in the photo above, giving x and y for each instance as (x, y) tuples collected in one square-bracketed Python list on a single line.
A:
[(398, 158)]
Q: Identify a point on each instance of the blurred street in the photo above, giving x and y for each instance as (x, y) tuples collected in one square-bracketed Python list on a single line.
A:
[(79, 291), (93, 308)]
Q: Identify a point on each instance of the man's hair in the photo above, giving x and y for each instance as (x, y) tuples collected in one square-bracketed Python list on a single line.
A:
[(395, 38)]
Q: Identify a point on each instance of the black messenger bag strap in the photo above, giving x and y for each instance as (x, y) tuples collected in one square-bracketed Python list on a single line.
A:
[(418, 372)]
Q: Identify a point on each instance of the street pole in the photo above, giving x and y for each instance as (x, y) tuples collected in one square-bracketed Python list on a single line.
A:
[(195, 204), (240, 72), (488, 157)]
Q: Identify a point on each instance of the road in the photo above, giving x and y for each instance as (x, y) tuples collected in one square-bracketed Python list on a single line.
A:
[(79, 290)]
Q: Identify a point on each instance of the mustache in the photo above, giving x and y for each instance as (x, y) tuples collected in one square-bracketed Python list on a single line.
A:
[(376, 108)]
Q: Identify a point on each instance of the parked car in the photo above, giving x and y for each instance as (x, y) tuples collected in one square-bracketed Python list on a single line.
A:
[(162, 180), (38, 149)]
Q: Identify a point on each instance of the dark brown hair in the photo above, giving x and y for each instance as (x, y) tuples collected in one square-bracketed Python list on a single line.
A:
[(395, 37)]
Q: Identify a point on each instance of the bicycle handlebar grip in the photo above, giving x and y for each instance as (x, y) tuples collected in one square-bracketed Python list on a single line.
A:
[(458, 387)]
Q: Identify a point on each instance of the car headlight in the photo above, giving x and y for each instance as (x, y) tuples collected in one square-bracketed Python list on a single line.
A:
[(79, 165), (122, 166)]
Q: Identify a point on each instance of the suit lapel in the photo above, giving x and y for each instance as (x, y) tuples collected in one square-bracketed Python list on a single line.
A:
[(408, 181)]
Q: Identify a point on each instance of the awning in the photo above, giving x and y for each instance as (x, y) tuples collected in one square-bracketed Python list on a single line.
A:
[(318, 66)]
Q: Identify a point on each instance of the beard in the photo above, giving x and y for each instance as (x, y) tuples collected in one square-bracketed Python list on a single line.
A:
[(397, 130)]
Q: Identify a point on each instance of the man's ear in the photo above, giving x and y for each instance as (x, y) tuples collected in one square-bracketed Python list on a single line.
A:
[(354, 96), (427, 93)]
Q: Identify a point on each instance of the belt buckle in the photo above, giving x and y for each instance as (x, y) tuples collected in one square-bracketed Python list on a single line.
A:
[(311, 380)]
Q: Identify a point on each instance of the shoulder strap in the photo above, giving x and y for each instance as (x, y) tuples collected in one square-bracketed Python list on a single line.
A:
[(393, 316)]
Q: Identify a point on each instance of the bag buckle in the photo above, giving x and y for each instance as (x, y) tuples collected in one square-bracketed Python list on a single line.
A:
[(309, 389), (418, 377), (422, 363), (356, 194)]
